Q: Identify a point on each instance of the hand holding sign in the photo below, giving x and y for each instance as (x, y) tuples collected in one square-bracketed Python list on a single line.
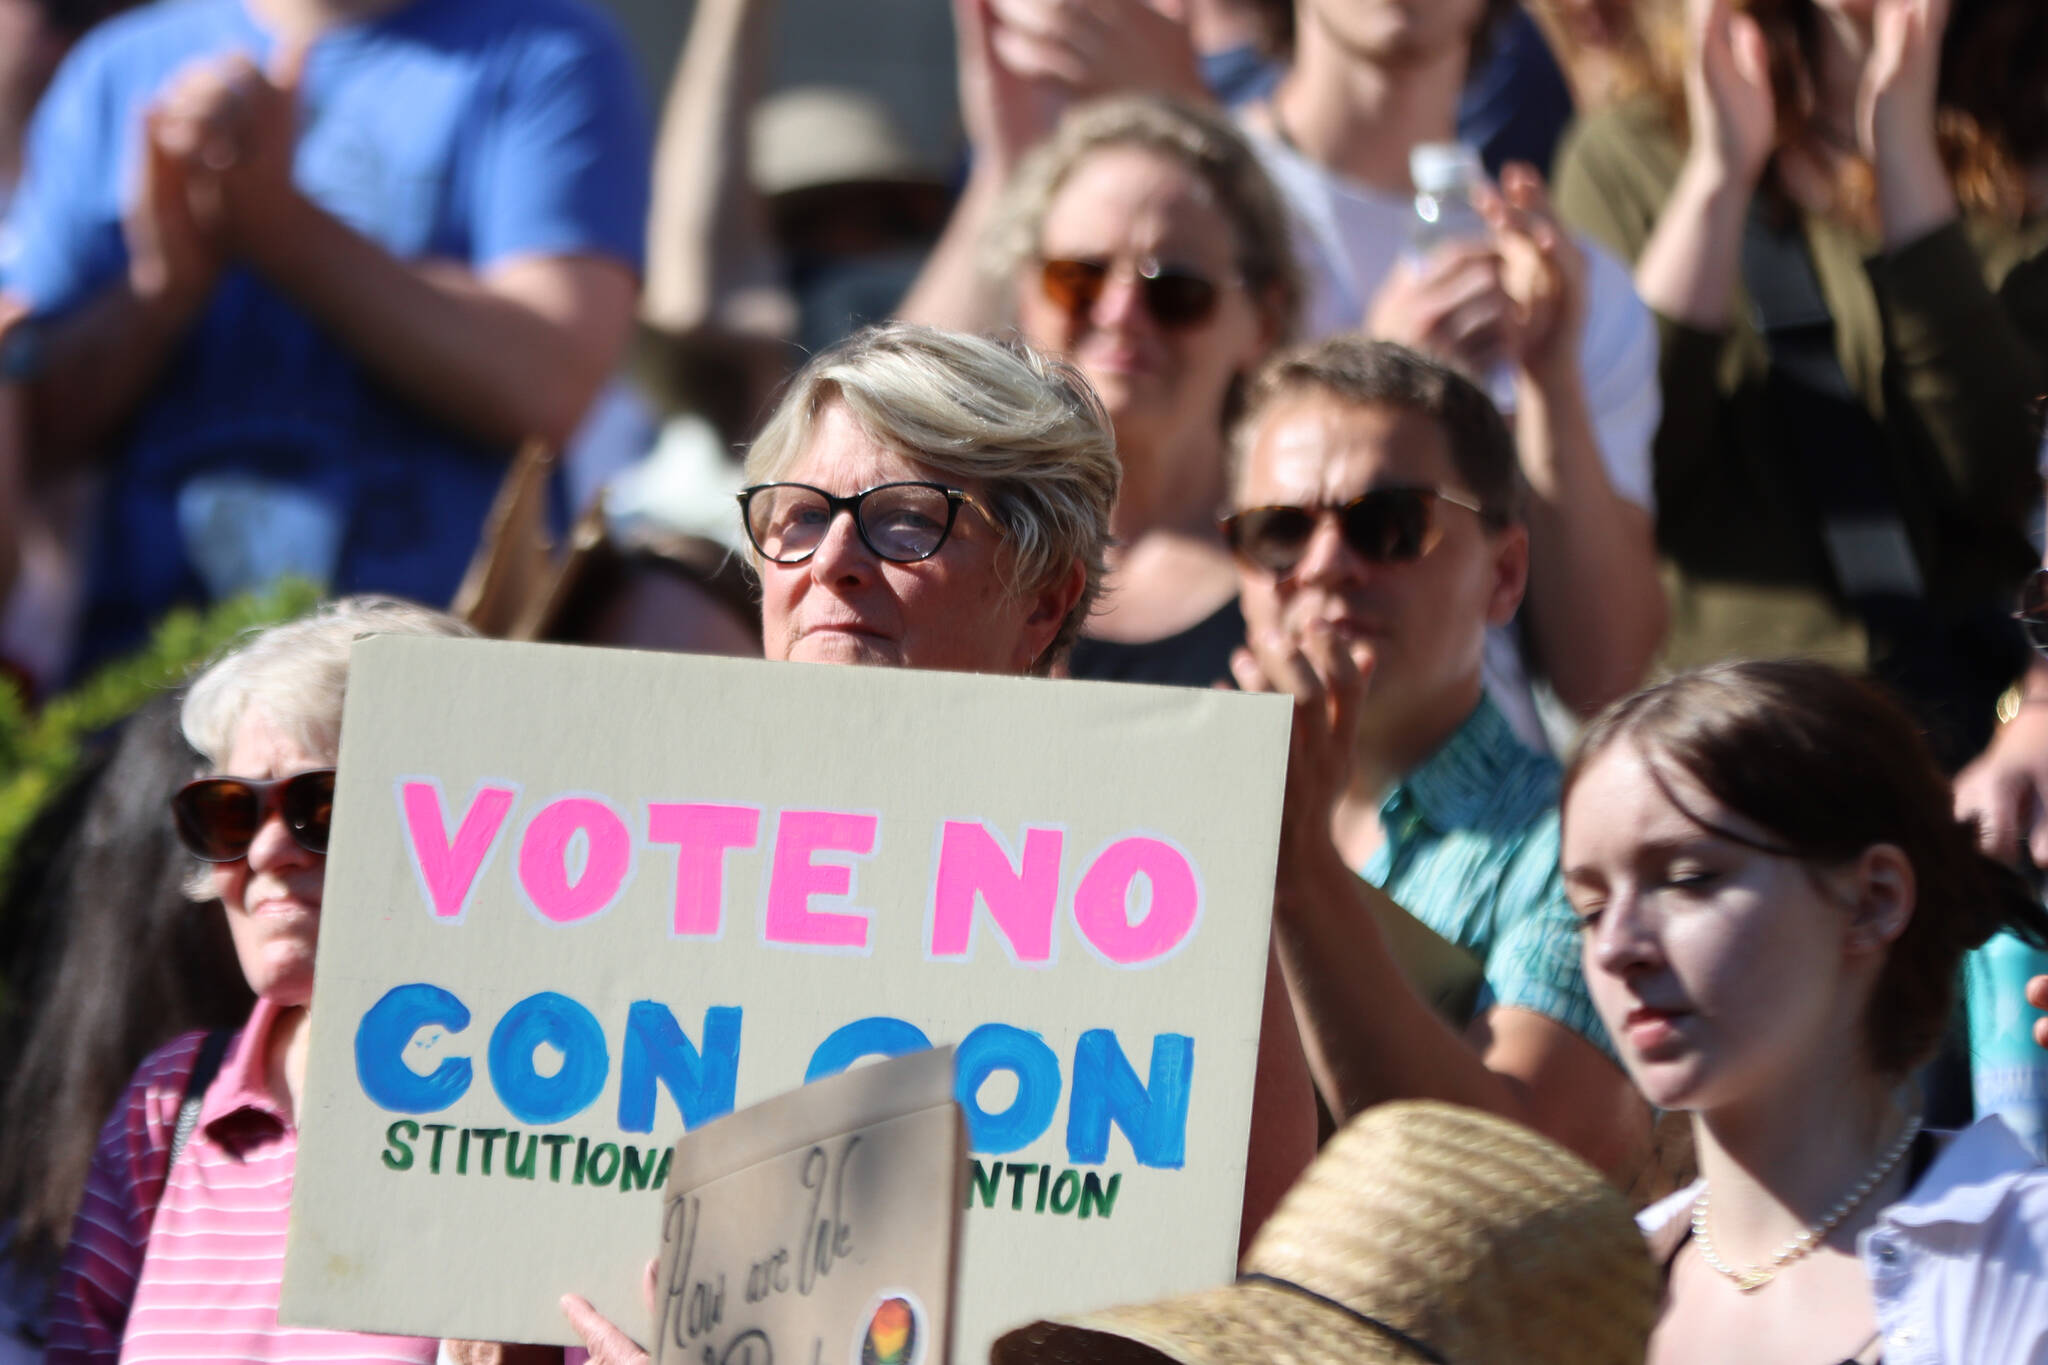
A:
[(607, 1344)]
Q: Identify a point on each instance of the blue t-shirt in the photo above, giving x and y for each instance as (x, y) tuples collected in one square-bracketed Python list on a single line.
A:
[(467, 130)]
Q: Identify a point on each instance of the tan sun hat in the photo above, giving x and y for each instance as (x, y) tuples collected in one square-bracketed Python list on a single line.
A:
[(813, 135), (1423, 1233)]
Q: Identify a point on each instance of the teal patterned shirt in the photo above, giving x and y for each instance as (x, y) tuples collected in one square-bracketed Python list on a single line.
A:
[(1471, 847)]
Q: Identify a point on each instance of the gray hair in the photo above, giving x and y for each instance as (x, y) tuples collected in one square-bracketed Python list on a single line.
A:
[(1203, 141), (295, 674), (1024, 426)]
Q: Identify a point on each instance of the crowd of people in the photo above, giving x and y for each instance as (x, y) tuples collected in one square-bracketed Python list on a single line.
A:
[(1617, 427)]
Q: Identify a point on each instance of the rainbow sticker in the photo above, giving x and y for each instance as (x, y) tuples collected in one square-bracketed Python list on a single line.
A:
[(895, 1331)]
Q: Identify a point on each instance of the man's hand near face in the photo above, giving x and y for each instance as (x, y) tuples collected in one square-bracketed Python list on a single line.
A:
[(1380, 650)]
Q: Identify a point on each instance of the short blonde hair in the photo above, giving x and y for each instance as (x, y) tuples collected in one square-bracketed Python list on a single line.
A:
[(1025, 426), (1203, 141), (296, 672)]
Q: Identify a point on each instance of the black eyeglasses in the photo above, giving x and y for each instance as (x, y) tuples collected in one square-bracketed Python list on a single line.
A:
[(1175, 297), (1385, 526), (900, 522), (218, 817), (2032, 610)]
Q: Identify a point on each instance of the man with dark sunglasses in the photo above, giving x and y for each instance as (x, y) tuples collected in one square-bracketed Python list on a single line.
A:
[(1368, 83), (1377, 529)]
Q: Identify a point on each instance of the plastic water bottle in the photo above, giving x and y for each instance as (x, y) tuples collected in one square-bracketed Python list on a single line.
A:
[(2008, 1069), (1445, 174)]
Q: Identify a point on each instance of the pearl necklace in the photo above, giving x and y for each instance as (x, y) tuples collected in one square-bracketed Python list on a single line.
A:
[(1750, 1278)]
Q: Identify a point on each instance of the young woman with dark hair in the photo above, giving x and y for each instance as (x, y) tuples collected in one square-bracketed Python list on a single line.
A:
[(1776, 898)]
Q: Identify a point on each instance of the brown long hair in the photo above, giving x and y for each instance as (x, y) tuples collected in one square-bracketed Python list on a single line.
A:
[(107, 961), (1828, 764), (1991, 116)]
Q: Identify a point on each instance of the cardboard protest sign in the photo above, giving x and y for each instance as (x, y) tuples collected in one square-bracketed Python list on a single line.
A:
[(817, 1226), (580, 900)]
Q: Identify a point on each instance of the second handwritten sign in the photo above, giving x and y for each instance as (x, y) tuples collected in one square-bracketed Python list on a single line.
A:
[(820, 1227)]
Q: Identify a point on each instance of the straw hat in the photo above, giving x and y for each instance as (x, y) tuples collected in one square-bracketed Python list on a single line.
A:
[(1424, 1232)]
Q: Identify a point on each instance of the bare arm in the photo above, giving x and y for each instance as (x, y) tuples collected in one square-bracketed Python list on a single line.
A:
[(1370, 1038), (1022, 63), (514, 351), (1896, 120), (953, 291), (1595, 608), (101, 358), (1283, 1131), (709, 258), (1005, 113), (1972, 361), (1689, 268)]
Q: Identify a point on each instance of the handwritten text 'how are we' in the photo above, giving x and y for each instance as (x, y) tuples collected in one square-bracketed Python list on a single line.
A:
[(576, 854)]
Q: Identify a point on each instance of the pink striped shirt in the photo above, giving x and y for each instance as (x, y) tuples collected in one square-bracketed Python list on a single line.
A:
[(201, 1281)]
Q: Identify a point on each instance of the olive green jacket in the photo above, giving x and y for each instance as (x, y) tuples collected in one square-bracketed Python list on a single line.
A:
[(1945, 339)]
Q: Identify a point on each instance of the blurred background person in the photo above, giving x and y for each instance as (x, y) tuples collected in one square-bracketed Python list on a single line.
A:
[(1775, 899), (41, 518), (1835, 208), (1144, 244), (144, 1277), (34, 36), (310, 343), (780, 221), (1578, 349), (1600, 46), (107, 959)]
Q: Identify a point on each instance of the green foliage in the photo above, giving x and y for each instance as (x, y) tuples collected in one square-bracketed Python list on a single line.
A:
[(39, 750)]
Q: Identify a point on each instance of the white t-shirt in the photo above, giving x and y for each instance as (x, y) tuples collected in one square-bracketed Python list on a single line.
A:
[(1349, 237)]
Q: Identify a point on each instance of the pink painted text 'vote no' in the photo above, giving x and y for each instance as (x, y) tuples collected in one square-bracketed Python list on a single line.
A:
[(577, 852)]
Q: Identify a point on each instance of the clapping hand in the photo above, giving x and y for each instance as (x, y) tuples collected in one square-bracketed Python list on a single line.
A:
[(1728, 100), (173, 259), (1895, 111), (1024, 62), (1452, 304), (1328, 685), (1543, 272), (225, 131)]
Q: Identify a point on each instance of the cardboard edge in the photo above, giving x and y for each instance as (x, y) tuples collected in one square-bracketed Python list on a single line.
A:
[(813, 1112)]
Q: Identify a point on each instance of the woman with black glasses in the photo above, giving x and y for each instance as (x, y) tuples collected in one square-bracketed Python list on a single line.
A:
[(921, 499), (179, 1243), (925, 499)]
